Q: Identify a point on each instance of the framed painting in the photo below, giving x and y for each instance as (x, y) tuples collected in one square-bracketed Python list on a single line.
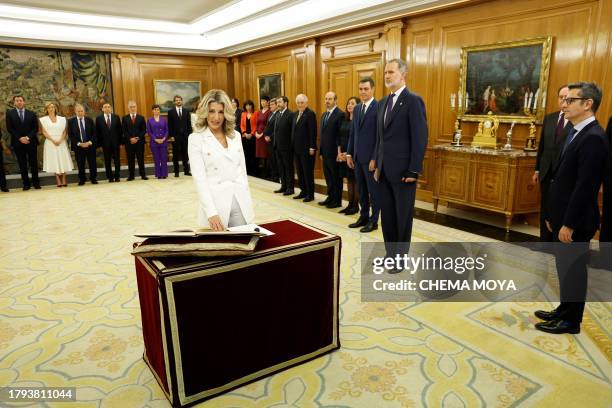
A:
[(270, 85), (165, 90), (509, 79)]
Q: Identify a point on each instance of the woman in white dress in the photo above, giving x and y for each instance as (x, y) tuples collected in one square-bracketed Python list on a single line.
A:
[(217, 165), (56, 156)]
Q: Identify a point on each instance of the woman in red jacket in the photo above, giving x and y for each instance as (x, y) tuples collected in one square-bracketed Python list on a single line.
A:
[(248, 125), (261, 147)]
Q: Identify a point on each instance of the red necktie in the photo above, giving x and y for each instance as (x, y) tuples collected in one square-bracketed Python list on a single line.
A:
[(108, 122), (134, 120), (559, 129)]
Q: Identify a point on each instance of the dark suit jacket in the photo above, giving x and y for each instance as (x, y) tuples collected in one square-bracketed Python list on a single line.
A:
[(606, 221), (401, 143), (180, 129), (362, 141), (548, 151), (330, 133), (269, 130), (576, 180), (16, 129), (138, 129), (282, 132), (304, 132), (109, 138), (75, 135)]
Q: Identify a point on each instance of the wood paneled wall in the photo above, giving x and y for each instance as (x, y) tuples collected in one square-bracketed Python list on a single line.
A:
[(431, 43)]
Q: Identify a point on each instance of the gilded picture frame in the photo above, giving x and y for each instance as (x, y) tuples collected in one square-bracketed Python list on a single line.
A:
[(270, 85), (509, 79), (165, 90)]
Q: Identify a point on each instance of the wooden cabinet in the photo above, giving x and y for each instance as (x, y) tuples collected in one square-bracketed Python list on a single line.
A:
[(493, 180)]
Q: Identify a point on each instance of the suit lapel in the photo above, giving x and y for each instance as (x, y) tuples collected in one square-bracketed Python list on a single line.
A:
[(396, 107)]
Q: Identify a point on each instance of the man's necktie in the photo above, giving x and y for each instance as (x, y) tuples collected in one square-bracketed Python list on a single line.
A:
[(21, 116), (280, 115), (108, 122), (559, 128), (180, 113), (363, 111), (389, 107), (298, 118), (133, 119), (570, 137), (325, 118), (83, 135)]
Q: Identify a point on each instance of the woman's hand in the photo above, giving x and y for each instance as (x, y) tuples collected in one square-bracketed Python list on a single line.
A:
[(215, 223)]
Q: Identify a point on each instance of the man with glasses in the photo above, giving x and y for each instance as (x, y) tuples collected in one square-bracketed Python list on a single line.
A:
[(82, 134), (554, 132), (572, 214)]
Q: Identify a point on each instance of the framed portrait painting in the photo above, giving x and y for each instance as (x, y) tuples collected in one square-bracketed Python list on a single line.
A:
[(270, 85), (165, 90), (509, 79)]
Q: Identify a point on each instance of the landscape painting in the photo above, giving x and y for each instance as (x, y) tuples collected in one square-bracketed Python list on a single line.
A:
[(165, 90)]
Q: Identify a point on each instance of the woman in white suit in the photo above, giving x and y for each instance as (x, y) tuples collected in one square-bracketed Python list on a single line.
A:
[(218, 166)]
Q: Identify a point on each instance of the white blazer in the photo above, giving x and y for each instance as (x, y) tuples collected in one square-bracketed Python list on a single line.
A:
[(219, 175)]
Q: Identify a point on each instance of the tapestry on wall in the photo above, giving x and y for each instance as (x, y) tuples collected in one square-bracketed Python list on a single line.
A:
[(62, 76)]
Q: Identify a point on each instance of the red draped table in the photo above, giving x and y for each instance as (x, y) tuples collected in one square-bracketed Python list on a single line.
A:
[(211, 325)]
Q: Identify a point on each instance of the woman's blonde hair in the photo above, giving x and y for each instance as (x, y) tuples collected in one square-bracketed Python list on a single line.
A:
[(218, 96), (57, 112)]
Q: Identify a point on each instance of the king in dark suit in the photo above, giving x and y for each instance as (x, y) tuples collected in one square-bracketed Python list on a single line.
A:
[(134, 130), (22, 125), (401, 142), (304, 135), (110, 136), (82, 134), (361, 154), (330, 140), (572, 214), (605, 234), (554, 133), (179, 129), (283, 146)]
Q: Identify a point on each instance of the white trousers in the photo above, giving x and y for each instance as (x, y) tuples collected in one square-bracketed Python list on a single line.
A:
[(235, 218)]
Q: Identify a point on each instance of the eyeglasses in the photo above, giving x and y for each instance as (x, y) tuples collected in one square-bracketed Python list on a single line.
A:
[(569, 101)]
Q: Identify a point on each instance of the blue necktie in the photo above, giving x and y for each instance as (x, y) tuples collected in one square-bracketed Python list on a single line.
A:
[(83, 134), (21, 116), (325, 118), (570, 137), (389, 107)]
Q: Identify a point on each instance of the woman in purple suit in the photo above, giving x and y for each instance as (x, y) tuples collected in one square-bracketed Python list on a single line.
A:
[(157, 128)]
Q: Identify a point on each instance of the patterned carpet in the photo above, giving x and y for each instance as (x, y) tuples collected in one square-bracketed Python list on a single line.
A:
[(69, 316)]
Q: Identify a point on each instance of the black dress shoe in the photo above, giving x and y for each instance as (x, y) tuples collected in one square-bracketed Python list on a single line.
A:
[(4, 189), (288, 193), (36, 186), (144, 178), (324, 202), (333, 205), (299, 196), (558, 326), (369, 227), (308, 199), (94, 181), (26, 188), (176, 174), (280, 190), (394, 271), (342, 211), (110, 180), (547, 315), (81, 183), (187, 173), (361, 221), (351, 211), (129, 179)]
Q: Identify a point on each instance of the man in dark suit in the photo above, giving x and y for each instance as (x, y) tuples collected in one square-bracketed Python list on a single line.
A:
[(554, 133), (134, 130), (304, 135), (401, 140), (605, 235), (330, 140), (572, 214), (22, 125), (272, 169), (82, 133), (2, 175), (361, 153), (179, 129), (283, 146), (109, 133)]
